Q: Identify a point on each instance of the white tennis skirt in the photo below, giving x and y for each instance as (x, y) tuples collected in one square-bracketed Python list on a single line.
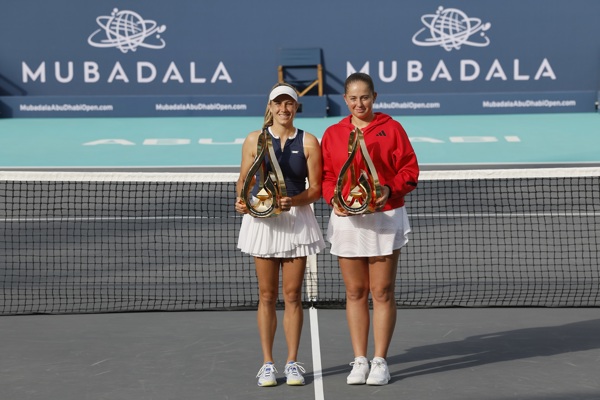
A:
[(291, 234), (368, 235)]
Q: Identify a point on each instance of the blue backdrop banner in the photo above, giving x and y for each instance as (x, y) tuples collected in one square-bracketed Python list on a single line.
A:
[(131, 58)]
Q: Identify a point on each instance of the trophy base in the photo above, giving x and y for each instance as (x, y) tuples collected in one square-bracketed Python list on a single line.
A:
[(262, 205)]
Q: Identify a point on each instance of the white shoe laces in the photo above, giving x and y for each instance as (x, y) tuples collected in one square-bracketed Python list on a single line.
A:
[(377, 364), (266, 370), (379, 368), (356, 364), (292, 368)]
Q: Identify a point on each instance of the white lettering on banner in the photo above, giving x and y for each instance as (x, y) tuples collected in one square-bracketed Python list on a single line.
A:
[(145, 72), (240, 141), (519, 77), (365, 68), (118, 73), (65, 107), (40, 72), (441, 72), (468, 70), (140, 72), (194, 78), (172, 74), (127, 31), (221, 74), (69, 76), (391, 78), (545, 70), (90, 72), (496, 71), (414, 71), (199, 107), (525, 103), (463, 70)]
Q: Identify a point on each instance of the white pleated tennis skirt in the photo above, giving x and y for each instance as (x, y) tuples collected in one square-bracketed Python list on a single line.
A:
[(368, 235), (291, 234)]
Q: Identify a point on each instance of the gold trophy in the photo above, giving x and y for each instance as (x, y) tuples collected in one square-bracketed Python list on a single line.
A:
[(271, 186), (364, 188)]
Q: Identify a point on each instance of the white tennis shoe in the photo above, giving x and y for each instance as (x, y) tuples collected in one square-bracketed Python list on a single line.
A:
[(293, 373), (360, 370), (266, 375), (380, 374)]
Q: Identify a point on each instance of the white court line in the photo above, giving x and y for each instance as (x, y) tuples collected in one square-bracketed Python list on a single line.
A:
[(316, 354)]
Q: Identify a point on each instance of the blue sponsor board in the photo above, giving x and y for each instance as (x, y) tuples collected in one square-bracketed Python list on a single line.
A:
[(311, 106), (481, 103), (132, 106), (519, 55), (148, 106)]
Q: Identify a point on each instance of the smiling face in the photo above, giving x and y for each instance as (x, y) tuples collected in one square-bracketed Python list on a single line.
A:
[(284, 109), (360, 98)]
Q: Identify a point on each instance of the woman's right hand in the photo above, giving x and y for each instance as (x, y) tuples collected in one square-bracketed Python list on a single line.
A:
[(337, 210), (240, 206)]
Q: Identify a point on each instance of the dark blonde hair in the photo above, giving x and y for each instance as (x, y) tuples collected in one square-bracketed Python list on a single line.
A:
[(268, 121)]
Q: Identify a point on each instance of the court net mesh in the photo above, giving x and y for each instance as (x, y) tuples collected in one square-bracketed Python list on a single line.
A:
[(106, 242)]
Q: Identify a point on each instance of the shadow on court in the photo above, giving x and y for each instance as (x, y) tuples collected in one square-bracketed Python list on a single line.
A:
[(496, 354), (462, 354), (499, 347)]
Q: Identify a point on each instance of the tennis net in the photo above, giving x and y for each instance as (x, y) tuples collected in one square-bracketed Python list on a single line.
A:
[(83, 242)]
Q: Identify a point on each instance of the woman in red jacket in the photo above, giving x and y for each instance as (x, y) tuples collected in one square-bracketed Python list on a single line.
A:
[(368, 245)]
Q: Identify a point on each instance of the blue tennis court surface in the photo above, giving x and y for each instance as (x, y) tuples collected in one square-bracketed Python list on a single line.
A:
[(524, 139)]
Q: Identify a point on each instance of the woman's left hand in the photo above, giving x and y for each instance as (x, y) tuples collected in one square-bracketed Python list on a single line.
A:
[(285, 203), (380, 202)]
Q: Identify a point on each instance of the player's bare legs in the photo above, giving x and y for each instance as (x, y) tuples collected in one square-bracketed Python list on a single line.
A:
[(293, 316), (267, 272), (377, 276), (382, 279), (355, 272)]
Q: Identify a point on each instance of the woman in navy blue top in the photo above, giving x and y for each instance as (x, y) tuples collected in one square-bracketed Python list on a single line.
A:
[(283, 242)]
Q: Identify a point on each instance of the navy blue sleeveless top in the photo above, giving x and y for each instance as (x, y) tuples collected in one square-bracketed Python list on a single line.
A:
[(292, 162)]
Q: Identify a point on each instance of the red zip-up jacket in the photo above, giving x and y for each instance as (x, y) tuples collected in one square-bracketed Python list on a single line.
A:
[(389, 148)]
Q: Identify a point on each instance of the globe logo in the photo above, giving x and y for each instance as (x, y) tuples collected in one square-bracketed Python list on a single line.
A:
[(451, 28), (126, 30)]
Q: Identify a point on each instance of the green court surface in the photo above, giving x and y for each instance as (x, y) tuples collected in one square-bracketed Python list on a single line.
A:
[(215, 142)]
